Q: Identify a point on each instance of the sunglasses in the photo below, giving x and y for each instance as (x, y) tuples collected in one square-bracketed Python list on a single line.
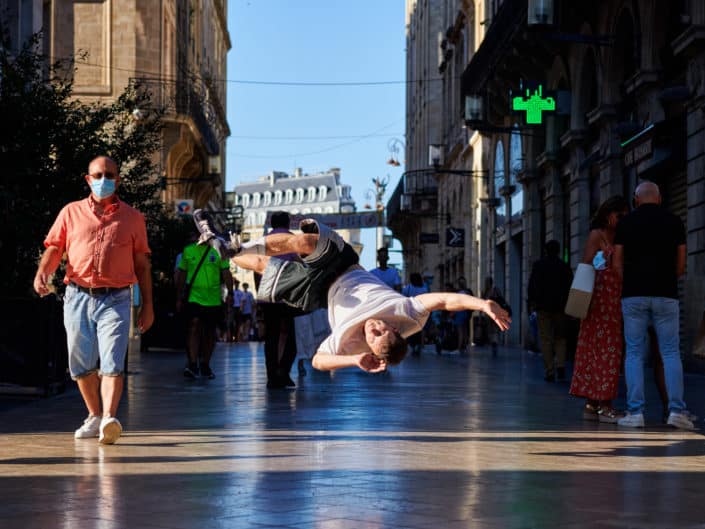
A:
[(109, 176)]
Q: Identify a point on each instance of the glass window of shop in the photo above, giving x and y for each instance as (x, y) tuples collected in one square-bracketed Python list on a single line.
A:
[(499, 183)]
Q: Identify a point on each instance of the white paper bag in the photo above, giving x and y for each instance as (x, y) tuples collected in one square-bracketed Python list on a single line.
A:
[(580, 291)]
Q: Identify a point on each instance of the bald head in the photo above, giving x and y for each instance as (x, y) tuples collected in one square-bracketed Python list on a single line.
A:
[(103, 161), (647, 193)]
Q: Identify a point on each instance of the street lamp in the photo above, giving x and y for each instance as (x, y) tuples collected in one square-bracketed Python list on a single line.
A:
[(378, 196), (394, 145)]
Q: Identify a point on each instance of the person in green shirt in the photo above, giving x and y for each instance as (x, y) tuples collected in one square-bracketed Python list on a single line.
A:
[(203, 309)]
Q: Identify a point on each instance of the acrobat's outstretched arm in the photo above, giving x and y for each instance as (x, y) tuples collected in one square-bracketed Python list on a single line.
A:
[(454, 302)]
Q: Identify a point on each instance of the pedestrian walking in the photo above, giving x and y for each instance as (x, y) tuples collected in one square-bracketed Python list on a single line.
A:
[(549, 284), (248, 323), (416, 287), (199, 279), (389, 276), (462, 318), (491, 292), (105, 243), (650, 256), (369, 320), (280, 334), (598, 354), (234, 317)]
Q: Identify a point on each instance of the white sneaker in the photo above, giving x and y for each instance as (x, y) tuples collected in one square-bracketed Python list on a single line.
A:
[(632, 420), (89, 428), (680, 420), (110, 430)]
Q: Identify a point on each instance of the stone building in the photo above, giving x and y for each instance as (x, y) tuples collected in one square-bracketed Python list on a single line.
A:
[(628, 81), (176, 49), (298, 194)]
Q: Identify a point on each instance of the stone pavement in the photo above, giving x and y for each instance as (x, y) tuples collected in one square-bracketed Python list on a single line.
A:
[(440, 442)]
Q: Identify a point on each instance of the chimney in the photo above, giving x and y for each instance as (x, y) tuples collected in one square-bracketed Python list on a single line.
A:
[(298, 172)]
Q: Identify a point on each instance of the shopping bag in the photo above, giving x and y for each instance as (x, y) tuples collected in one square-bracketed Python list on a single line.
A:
[(580, 293)]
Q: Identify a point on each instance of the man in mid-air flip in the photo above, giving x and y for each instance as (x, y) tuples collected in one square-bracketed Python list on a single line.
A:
[(369, 320)]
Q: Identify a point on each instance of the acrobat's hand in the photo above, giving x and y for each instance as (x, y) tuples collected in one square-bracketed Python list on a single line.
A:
[(370, 363), (498, 314)]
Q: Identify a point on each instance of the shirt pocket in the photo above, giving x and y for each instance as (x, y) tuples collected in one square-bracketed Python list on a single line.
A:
[(116, 238)]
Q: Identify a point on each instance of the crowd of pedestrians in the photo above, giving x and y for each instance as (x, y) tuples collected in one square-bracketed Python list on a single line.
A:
[(637, 256)]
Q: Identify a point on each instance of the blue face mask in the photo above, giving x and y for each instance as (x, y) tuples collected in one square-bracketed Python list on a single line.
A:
[(103, 187)]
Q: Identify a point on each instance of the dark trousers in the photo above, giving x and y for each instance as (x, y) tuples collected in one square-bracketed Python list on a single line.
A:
[(279, 340)]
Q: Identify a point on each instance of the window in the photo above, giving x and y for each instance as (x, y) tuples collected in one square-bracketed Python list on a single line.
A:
[(299, 195), (267, 198), (277, 198), (255, 200), (499, 183), (245, 200), (306, 211), (289, 196), (322, 192), (261, 217), (311, 194), (516, 165)]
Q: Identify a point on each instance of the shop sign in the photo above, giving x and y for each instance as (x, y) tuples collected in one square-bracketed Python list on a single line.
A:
[(639, 152)]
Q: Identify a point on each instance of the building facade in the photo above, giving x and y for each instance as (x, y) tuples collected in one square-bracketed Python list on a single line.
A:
[(297, 194), (628, 81), (175, 49)]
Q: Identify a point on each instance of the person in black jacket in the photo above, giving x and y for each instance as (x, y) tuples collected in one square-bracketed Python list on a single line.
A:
[(549, 285)]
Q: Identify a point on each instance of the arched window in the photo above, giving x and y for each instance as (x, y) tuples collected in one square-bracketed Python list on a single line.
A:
[(322, 193), (261, 217), (250, 219), (516, 165), (299, 195), (277, 198), (306, 211), (317, 210), (499, 183), (267, 198), (329, 209), (245, 200), (295, 211), (289, 196), (311, 194), (255, 200)]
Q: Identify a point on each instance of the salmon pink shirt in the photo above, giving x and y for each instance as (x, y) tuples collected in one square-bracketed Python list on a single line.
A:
[(100, 250)]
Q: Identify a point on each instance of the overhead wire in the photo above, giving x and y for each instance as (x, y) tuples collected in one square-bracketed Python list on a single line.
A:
[(331, 148), (255, 82)]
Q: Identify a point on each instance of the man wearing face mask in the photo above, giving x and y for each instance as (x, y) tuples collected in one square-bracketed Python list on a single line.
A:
[(105, 242)]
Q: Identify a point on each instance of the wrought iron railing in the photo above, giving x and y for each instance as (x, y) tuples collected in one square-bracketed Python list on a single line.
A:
[(191, 98)]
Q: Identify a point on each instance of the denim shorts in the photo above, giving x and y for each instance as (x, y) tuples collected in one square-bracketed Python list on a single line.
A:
[(97, 331), (304, 285)]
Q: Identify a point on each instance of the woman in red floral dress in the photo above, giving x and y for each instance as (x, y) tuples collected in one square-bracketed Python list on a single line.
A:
[(598, 356)]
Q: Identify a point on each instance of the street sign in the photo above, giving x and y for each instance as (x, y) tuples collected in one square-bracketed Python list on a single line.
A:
[(184, 206), (455, 237), (428, 238), (337, 221)]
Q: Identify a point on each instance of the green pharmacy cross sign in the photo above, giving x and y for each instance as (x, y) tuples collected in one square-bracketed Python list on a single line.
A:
[(534, 105)]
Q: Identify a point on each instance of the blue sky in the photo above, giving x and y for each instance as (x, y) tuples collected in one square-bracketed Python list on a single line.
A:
[(326, 41)]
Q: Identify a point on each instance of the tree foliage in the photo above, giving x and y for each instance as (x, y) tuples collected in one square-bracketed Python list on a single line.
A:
[(47, 139)]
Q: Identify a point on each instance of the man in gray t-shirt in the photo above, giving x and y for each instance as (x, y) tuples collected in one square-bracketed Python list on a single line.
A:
[(369, 320)]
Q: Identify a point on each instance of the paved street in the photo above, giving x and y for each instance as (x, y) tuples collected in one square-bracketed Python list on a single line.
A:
[(440, 442)]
